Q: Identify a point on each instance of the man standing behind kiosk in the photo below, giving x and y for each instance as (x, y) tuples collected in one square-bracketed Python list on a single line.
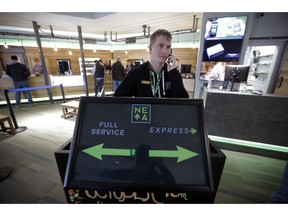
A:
[(19, 73), (118, 73), (98, 72), (157, 78)]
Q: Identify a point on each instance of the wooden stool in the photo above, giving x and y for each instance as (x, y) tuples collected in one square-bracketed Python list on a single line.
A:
[(70, 105), (4, 118)]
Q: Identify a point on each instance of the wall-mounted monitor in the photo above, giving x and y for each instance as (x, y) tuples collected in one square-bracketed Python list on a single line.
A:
[(223, 38), (63, 66), (236, 73), (185, 68)]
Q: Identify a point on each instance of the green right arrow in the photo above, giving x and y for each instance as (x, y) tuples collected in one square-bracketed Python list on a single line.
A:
[(181, 153)]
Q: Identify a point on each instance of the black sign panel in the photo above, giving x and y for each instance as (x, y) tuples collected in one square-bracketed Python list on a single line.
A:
[(140, 144)]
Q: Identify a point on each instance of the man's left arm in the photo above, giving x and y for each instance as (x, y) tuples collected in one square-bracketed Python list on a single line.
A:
[(177, 87)]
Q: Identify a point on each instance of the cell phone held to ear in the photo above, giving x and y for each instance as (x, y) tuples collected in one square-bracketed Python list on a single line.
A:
[(169, 61)]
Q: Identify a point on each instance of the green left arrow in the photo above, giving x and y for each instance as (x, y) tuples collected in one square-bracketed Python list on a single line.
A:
[(181, 153), (98, 150)]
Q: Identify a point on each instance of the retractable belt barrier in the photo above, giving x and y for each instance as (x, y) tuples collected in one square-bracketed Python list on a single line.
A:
[(37, 88), (6, 91)]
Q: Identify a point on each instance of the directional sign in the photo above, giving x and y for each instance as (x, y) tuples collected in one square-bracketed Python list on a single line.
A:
[(181, 153), (141, 143), (98, 150)]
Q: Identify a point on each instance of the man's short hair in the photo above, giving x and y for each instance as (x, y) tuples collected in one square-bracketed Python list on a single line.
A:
[(160, 32), (13, 57)]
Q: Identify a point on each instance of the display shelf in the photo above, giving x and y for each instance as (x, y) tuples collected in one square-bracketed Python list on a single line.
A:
[(261, 72), (264, 63), (260, 65), (89, 63), (266, 55)]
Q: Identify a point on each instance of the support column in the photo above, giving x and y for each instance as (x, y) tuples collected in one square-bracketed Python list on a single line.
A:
[(44, 69), (83, 61)]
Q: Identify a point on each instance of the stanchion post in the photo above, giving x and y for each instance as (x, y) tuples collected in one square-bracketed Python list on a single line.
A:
[(10, 108), (11, 112), (62, 91)]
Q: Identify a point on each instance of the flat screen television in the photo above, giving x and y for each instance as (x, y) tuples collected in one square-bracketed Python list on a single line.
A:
[(139, 144), (63, 66), (236, 73), (185, 68), (223, 38)]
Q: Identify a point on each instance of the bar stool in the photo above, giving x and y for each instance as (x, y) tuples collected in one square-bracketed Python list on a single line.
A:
[(4, 118)]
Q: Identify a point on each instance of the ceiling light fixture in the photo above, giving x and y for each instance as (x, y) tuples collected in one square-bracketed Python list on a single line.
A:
[(94, 49), (19, 42), (70, 52), (5, 44)]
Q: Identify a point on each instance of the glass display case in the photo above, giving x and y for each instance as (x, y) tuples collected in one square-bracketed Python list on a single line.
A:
[(89, 63), (262, 61)]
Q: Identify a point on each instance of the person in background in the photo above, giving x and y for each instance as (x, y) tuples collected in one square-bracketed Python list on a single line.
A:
[(158, 77), (129, 65), (37, 69), (19, 73), (98, 72), (118, 73), (101, 62), (94, 67)]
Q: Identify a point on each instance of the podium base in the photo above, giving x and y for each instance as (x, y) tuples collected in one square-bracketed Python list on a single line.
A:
[(20, 129), (5, 172)]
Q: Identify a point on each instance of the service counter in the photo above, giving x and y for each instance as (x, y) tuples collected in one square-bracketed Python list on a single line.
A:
[(73, 85), (247, 117), (6, 83)]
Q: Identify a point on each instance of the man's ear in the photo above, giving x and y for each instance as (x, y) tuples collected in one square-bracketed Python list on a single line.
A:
[(150, 49)]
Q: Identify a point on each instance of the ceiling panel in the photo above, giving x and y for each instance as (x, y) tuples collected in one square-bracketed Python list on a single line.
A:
[(121, 23)]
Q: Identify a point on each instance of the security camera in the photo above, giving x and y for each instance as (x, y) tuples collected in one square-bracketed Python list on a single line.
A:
[(261, 15)]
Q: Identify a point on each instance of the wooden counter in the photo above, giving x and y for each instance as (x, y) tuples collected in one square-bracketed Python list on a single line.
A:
[(74, 84), (7, 83)]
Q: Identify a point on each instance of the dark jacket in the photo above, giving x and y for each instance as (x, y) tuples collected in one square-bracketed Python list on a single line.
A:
[(138, 83), (118, 71), (99, 71), (18, 72)]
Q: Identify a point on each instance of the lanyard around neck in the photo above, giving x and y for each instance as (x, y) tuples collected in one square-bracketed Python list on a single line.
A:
[(155, 82)]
